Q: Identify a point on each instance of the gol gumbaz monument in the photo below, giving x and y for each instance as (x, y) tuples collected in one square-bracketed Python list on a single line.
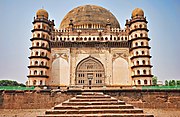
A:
[(90, 67), (90, 49)]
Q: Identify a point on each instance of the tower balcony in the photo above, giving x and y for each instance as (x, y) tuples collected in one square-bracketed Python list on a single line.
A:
[(137, 66), (133, 30), (38, 66), (39, 47), (142, 75), (137, 47), (141, 56), (36, 76), (140, 38), (39, 38), (42, 57), (43, 30)]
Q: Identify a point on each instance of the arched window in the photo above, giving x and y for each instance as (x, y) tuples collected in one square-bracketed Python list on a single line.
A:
[(122, 38), (98, 38), (138, 72), (139, 82), (144, 71), (43, 45), (141, 35), (41, 72), (125, 38), (37, 44), (35, 72), (142, 43), (102, 38), (89, 38), (135, 35), (110, 37), (145, 82), (140, 26), (94, 38), (36, 62), (40, 82), (42, 54), (143, 62), (142, 52), (106, 38), (137, 53), (85, 38), (42, 63), (38, 35), (114, 38), (73, 38), (135, 26), (136, 44), (36, 53), (34, 82), (39, 26), (137, 62)]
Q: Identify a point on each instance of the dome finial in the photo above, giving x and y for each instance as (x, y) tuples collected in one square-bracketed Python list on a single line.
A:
[(137, 12), (41, 13)]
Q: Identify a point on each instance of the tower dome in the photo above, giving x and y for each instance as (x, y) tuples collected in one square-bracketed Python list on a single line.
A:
[(41, 13), (88, 16), (137, 12)]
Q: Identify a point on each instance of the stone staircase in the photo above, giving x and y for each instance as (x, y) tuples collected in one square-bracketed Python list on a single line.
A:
[(94, 105)]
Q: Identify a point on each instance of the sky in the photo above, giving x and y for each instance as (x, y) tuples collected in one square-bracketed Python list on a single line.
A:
[(16, 18)]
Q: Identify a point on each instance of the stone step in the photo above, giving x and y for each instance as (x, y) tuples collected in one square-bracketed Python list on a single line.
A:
[(127, 106), (94, 103), (91, 96), (98, 115), (92, 99), (92, 93), (94, 111)]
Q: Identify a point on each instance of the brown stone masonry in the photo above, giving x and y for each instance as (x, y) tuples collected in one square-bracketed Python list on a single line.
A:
[(47, 99)]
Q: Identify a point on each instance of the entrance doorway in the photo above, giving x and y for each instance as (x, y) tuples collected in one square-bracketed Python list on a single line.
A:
[(89, 72)]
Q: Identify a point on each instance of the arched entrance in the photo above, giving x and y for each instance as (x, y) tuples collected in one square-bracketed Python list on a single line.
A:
[(90, 72)]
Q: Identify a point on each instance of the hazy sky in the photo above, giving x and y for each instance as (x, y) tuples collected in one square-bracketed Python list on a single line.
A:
[(16, 18)]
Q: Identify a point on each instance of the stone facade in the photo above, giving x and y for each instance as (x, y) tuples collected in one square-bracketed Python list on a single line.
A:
[(90, 51), (47, 99)]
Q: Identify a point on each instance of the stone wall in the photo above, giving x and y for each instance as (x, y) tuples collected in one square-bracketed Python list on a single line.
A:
[(47, 99), (149, 98), (31, 99)]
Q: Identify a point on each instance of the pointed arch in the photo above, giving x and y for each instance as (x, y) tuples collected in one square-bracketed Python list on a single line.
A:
[(90, 71)]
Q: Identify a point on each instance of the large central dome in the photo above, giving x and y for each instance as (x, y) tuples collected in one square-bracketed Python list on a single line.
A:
[(89, 16)]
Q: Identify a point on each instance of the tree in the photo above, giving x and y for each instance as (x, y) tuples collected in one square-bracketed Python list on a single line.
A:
[(10, 83), (178, 82), (166, 83), (154, 80), (172, 83)]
